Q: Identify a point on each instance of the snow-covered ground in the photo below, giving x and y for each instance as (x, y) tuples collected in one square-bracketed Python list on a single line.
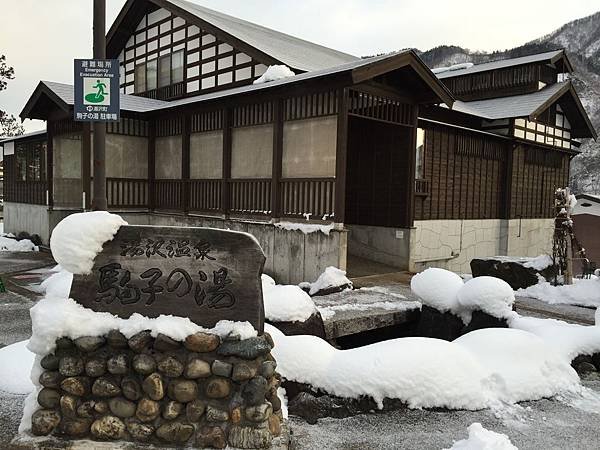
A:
[(483, 439), (583, 292), (7, 244)]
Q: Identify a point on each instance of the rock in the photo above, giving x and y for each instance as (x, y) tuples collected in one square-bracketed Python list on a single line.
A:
[(122, 407), (194, 410), (213, 437), (222, 368), (480, 320), (216, 415), (236, 415), (311, 408), (131, 388), (108, 427), (183, 391), (202, 342), (68, 406), (585, 367), (75, 428), (255, 390), (596, 360), (95, 367), (274, 425), (48, 398), (140, 341), (270, 340), (175, 432), (116, 339), (267, 369), (171, 367), (259, 413), (101, 407), (64, 343), (144, 364), (434, 324), (312, 326), (44, 421), (242, 372), (154, 386), (77, 386), (89, 344), (248, 437), (50, 362), (274, 399), (86, 409), (172, 410), (139, 431), (105, 387), (513, 272), (164, 343), (118, 364), (218, 388), (250, 348), (581, 359), (50, 379), (70, 366), (147, 410), (197, 368)]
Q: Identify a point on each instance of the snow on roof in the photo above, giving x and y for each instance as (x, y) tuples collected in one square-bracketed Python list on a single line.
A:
[(290, 50), (467, 70), (514, 106), (23, 136)]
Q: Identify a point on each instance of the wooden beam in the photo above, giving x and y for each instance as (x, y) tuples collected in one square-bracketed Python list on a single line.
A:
[(86, 162), (409, 213), (225, 197), (151, 165), (50, 164), (277, 158), (341, 157), (185, 161)]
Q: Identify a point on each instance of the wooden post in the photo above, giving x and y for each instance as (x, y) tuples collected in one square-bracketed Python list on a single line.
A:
[(185, 162), (341, 157), (151, 164), (86, 147), (100, 202), (409, 214), (225, 187), (50, 164), (277, 159)]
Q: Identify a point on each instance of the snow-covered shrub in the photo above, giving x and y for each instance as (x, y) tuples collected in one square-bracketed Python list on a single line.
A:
[(437, 288)]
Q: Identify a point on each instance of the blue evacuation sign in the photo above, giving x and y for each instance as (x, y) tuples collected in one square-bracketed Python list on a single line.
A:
[(96, 90)]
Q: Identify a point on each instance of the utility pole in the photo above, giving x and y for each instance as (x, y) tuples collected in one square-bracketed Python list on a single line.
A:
[(99, 202)]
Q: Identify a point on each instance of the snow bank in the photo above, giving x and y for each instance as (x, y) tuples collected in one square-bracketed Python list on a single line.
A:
[(15, 366), (54, 317), (306, 228), (483, 439), (78, 238), (522, 365), (583, 292), (437, 288), (58, 284), (539, 263), (286, 303), (488, 294), (274, 73), (331, 278), (12, 245)]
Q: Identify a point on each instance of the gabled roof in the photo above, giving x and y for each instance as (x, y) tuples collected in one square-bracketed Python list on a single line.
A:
[(532, 105), (549, 57), (351, 73), (294, 52)]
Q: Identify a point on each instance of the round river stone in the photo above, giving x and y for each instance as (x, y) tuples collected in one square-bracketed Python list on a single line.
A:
[(154, 386)]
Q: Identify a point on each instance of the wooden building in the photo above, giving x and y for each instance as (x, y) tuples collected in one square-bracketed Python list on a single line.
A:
[(386, 160)]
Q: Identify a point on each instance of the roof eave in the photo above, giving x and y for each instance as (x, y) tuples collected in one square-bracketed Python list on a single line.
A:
[(41, 89), (563, 55)]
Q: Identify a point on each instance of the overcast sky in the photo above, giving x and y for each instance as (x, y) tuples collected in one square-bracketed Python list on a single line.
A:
[(40, 38)]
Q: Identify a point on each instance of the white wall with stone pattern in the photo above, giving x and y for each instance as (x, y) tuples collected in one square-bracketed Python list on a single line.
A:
[(530, 237), (291, 256)]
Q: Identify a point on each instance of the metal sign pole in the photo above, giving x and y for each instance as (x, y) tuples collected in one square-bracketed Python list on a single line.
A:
[(99, 201)]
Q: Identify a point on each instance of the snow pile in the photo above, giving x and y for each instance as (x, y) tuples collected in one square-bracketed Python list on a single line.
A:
[(274, 73), (583, 292), (78, 238), (437, 288), (488, 294), (16, 362), (12, 245), (286, 303), (483, 439), (474, 372), (58, 284), (330, 279), (539, 263), (306, 228)]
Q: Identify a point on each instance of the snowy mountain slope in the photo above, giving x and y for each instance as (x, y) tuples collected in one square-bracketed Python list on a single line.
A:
[(581, 39)]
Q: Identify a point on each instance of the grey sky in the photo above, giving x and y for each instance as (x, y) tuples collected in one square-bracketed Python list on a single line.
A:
[(41, 38)]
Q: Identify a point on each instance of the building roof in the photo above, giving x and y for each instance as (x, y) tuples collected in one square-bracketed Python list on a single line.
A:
[(549, 57), (31, 134), (353, 72), (531, 106), (289, 50)]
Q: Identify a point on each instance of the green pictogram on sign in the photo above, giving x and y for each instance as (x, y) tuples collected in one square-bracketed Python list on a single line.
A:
[(97, 97)]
